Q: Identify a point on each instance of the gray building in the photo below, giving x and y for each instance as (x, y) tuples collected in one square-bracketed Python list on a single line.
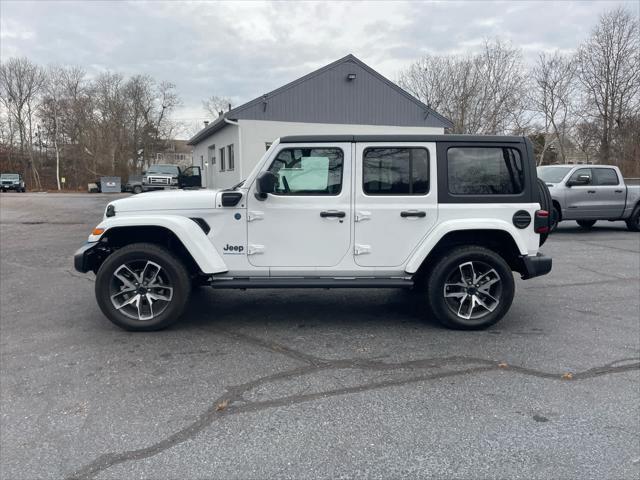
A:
[(346, 97)]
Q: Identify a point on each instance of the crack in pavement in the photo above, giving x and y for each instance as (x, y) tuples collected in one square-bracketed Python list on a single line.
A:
[(235, 403)]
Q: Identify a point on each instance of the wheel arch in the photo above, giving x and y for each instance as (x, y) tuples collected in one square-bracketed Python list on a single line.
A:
[(180, 235), (498, 240), (558, 207)]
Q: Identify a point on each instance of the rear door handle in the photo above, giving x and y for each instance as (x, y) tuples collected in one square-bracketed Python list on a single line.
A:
[(413, 213), (591, 191), (619, 191), (332, 213)]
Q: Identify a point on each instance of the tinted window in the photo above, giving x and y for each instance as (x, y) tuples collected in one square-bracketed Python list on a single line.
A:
[(308, 171), (581, 171), (485, 171), (553, 174), (395, 171), (605, 176)]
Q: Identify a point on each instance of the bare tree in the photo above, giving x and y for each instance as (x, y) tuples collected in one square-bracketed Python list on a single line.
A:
[(609, 70), (21, 83), (215, 105), (480, 93), (551, 97)]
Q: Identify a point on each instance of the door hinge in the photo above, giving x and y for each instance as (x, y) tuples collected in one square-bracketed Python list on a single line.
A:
[(254, 215), (361, 249), (362, 215), (255, 249)]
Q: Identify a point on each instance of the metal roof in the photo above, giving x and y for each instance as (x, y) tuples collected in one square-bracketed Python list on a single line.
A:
[(327, 95)]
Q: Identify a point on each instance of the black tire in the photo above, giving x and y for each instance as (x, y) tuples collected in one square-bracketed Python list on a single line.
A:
[(557, 216), (546, 203), (137, 189), (484, 262), (586, 224), (170, 274), (633, 222)]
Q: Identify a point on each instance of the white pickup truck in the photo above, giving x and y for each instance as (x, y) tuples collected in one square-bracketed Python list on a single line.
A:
[(588, 193), (450, 216)]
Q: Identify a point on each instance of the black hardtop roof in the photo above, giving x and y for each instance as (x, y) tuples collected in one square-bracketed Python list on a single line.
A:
[(401, 138)]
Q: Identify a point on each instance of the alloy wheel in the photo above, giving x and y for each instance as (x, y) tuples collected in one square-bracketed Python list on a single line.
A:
[(140, 290), (473, 290)]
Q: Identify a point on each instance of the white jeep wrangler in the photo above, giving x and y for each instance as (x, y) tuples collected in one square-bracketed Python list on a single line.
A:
[(450, 216)]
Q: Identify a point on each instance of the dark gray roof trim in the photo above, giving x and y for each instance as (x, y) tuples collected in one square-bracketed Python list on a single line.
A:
[(401, 138), (250, 108)]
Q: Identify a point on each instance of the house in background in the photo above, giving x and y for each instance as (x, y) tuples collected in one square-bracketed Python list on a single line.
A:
[(344, 97), (176, 152)]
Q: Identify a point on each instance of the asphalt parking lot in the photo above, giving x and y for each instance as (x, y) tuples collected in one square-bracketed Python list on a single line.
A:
[(315, 384)]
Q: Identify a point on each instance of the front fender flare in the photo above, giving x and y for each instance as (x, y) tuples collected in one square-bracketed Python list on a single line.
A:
[(186, 230), (459, 225)]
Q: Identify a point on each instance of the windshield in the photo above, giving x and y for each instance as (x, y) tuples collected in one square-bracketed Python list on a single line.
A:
[(10, 176), (163, 169), (553, 174)]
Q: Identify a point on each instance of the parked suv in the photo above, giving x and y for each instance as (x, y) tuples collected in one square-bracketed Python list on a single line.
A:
[(588, 193), (12, 181), (450, 216)]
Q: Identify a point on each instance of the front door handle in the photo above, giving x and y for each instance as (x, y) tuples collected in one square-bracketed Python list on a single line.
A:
[(591, 191), (619, 191), (413, 213), (332, 213)]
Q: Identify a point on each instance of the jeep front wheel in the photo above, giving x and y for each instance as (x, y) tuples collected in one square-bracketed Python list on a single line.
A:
[(470, 288), (142, 287)]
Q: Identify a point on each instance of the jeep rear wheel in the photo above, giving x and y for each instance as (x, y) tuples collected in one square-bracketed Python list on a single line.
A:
[(142, 287), (470, 288)]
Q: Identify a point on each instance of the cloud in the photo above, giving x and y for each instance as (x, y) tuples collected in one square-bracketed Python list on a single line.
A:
[(244, 49)]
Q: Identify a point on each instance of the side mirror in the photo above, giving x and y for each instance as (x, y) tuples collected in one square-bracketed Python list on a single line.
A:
[(581, 180), (266, 184)]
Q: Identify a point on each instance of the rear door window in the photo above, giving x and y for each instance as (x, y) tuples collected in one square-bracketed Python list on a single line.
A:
[(395, 171), (605, 176)]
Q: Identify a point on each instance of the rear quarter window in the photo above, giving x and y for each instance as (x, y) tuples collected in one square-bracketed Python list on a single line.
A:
[(485, 171)]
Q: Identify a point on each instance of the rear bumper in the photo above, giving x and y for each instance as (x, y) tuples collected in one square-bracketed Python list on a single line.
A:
[(535, 266), (84, 258)]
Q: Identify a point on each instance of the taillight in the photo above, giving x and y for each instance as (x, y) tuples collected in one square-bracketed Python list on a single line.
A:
[(541, 224)]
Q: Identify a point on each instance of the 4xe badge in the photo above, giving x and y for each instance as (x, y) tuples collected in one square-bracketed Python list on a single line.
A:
[(232, 249)]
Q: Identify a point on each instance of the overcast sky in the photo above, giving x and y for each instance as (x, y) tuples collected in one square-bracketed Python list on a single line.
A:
[(244, 49)]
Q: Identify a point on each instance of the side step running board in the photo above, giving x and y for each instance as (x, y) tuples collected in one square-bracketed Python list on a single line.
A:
[(297, 282)]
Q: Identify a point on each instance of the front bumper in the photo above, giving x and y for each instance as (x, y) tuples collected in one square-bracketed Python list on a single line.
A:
[(535, 266), (85, 257)]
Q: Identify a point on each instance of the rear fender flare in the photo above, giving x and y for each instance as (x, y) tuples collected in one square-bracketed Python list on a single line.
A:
[(421, 253), (186, 230)]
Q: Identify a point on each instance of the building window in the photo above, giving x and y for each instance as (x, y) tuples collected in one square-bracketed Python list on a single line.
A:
[(230, 159), (159, 157), (395, 171), (180, 157), (267, 145), (221, 154), (485, 171), (308, 171), (211, 154)]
